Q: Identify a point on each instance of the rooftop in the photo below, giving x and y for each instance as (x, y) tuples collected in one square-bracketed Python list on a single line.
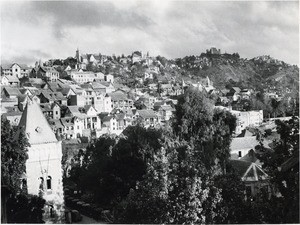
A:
[(37, 128)]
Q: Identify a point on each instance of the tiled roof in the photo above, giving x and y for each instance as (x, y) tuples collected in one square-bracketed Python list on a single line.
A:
[(240, 166), (12, 79), (56, 123), (49, 69), (250, 157), (65, 90), (236, 89), (45, 107), (116, 96), (12, 91), (36, 126), (53, 95), (36, 81), (107, 118), (8, 66), (75, 111), (167, 108), (248, 171), (147, 113), (243, 143), (67, 121), (22, 97)]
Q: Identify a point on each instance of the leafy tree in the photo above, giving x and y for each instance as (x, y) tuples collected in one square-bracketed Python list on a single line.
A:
[(181, 177), (285, 182), (13, 155), (112, 166), (25, 209)]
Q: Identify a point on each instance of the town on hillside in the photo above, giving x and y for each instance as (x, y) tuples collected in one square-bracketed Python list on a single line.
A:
[(71, 107)]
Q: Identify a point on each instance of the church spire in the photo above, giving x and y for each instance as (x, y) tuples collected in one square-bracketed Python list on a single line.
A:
[(37, 128)]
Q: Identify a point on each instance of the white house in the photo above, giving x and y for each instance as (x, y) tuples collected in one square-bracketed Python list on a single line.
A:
[(10, 80), (16, 70)]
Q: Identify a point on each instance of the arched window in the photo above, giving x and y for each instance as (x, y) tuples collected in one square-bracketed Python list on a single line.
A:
[(49, 184), (41, 186)]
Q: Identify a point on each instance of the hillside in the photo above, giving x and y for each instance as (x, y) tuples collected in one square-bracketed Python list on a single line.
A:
[(258, 72)]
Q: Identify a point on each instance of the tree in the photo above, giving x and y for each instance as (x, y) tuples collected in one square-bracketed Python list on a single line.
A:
[(180, 179), (112, 166), (286, 182), (13, 155)]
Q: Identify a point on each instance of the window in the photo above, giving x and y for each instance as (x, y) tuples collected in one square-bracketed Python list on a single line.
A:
[(240, 154), (56, 112), (49, 179)]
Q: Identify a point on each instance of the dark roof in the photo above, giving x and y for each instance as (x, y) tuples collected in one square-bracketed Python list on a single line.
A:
[(53, 95), (22, 97), (240, 166), (102, 115), (67, 121), (107, 118), (250, 157), (48, 69), (56, 123)]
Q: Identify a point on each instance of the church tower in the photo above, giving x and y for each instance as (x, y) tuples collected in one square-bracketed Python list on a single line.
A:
[(77, 56), (43, 166)]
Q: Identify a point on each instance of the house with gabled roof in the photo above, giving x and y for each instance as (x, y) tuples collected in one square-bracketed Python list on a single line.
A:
[(47, 73), (15, 69), (68, 128), (47, 96), (147, 117), (10, 92), (240, 146), (57, 127), (120, 100), (165, 112), (253, 176), (110, 123), (10, 81), (13, 114), (52, 110), (24, 98)]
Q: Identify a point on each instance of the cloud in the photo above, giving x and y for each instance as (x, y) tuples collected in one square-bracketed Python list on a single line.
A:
[(169, 28), (70, 14)]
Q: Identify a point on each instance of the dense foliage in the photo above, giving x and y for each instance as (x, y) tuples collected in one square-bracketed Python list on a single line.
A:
[(181, 174), (13, 155), (282, 165)]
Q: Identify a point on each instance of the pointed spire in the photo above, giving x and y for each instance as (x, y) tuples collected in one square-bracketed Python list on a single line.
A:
[(37, 128)]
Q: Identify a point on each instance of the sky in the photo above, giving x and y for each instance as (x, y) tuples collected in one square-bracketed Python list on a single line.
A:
[(34, 30)]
